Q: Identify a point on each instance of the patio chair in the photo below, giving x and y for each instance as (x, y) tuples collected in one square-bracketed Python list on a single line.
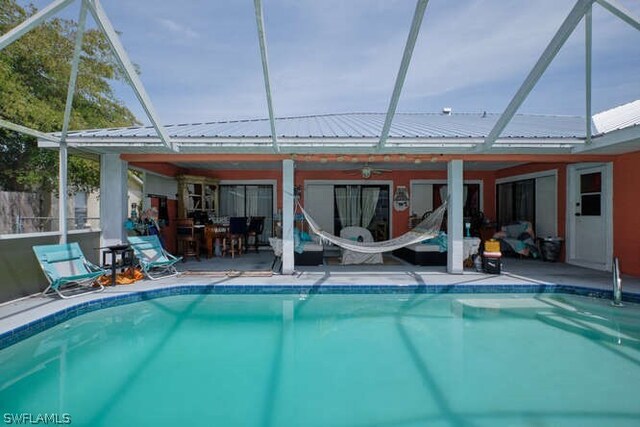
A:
[(359, 234), (152, 256), (235, 240), (64, 265), (188, 241), (255, 230)]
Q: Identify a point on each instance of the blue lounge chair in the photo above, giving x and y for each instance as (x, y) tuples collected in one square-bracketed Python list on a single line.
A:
[(152, 256), (66, 264)]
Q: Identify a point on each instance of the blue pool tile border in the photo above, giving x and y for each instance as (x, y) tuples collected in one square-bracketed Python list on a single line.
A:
[(32, 328)]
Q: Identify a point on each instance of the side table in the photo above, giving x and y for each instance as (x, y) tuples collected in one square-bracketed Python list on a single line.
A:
[(124, 252)]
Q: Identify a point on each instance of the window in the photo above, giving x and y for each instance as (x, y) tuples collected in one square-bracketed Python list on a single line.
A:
[(425, 197), (471, 197), (590, 194), (516, 202)]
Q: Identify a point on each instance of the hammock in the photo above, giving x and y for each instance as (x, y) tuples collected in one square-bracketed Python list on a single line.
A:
[(426, 229)]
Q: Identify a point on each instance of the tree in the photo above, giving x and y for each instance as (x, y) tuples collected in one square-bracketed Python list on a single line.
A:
[(34, 76)]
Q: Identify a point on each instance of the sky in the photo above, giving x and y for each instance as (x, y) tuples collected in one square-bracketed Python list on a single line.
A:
[(200, 59)]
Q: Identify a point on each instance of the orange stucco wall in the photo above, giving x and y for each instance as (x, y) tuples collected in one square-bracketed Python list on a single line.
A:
[(626, 180), (626, 212), (561, 201), (401, 219)]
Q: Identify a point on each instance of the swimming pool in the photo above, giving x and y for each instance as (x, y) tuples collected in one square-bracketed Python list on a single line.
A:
[(334, 360)]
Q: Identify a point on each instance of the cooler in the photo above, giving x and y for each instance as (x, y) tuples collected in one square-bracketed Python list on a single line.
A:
[(491, 262)]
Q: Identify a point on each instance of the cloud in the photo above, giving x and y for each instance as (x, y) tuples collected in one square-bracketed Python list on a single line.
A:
[(468, 46), (337, 56), (177, 28)]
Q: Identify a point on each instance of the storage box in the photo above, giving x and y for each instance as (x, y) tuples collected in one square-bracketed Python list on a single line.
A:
[(491, 265), (492, 245), (550, 248)]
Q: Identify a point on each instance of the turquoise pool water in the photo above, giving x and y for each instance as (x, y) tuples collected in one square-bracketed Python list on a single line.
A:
[(335, 360)]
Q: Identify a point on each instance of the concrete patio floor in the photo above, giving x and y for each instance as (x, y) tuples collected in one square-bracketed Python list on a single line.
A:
[(515, 272)]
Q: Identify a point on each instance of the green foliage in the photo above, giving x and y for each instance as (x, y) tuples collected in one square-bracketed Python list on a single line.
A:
[(34, 76)]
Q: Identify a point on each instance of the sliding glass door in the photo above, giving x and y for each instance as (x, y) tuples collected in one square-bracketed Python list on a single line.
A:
[(364, 206), (249, 201), (517, 202)]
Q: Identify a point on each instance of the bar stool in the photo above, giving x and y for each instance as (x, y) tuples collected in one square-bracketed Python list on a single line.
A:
[(232, 243), (256, 227), (188, 243), (234, 240)]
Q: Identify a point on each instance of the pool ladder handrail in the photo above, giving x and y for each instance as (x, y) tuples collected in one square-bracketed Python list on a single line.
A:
[(617, 284)]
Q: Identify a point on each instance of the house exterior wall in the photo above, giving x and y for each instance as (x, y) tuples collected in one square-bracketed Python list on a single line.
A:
[(626, 205), (626, 179), (403, 178), (626, 212), (561, 202)]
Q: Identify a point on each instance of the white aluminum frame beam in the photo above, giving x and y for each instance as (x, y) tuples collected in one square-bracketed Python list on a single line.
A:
[(566, 29), (75, 64), (63, 164), (28, 131), (33, 21), (13, 35), (103, 22), (288, 218), (418, 15), (455, 217), (262, 38), (621, 12), (588, 40)]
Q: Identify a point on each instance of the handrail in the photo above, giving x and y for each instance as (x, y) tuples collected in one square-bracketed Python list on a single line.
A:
[(617, 284)]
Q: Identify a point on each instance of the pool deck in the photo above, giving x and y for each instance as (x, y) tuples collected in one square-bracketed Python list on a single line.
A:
[(516, 272)]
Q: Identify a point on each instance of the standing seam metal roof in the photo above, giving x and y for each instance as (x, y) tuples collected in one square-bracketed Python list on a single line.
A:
[(365, 125)]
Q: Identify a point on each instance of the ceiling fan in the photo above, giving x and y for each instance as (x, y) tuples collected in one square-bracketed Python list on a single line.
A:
[(366, 171)]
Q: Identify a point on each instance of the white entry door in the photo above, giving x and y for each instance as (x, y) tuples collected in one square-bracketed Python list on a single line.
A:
[(589, 215)]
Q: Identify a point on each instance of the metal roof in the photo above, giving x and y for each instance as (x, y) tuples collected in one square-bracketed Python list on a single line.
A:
[(618, 118), (362, 125)]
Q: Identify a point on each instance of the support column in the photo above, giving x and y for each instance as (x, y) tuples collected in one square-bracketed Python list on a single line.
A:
[(455, 217), (113, 199), (288, 199), (62, 193)]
